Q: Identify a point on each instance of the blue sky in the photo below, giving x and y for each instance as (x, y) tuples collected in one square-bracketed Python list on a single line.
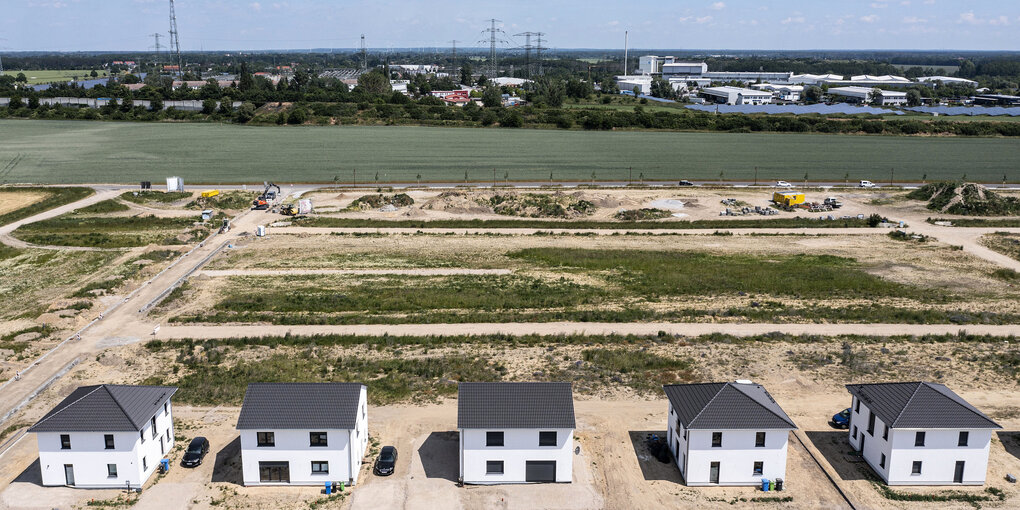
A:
[(723, 24)]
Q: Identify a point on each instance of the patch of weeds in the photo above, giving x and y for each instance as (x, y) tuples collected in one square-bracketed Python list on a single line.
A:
[(642, 214), (151, 196), (106, 206), (104, 285)]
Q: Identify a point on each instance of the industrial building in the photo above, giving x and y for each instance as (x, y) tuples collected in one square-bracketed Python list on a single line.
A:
[(736, 95), (935, 81), (781, 92), (652, 64), (865, 95)]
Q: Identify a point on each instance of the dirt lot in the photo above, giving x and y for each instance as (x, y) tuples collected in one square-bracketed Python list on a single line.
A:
[(14, 200)]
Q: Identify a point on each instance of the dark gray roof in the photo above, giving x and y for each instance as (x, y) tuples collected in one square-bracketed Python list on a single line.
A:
[(515, 405), (105, 408), (920, 405), (300, 406), (726, 406)]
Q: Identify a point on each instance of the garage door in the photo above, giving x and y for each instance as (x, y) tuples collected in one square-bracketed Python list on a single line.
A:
[(540, 471)]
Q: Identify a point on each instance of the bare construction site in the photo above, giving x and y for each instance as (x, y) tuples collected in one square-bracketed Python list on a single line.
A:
[(410, 291)]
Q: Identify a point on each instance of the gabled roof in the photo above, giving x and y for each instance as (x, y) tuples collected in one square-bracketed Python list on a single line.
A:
[(515, 405), (300, 406), (727, 405), (105, 408), (920, 405)]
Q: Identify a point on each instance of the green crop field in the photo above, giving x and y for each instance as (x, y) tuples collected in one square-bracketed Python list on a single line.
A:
[(47, 76), (106, 152)]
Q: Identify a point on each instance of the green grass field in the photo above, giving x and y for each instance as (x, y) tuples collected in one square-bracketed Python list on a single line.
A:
[(67, 152), (47, 76)]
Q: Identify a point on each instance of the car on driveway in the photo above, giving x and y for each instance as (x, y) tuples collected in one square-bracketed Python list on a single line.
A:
[(196, 451), (386, 463), (783, 184), (841, 420)]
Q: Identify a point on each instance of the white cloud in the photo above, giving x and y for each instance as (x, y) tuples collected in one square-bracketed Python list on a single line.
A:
[(929, 2), (613, 23), (905, 2), (255, 6), (718, 6), (702, 20), (878, 5), (914, 20), (793, 19), (1000, 21), (969, 17), (871, 18)]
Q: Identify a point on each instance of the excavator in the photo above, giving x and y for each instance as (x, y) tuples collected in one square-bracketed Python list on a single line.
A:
[(265, 200)]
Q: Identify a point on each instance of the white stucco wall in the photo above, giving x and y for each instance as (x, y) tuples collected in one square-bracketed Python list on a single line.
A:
[(89, 457), (519, 446), (938, 456), (293, 446), (736, 456)]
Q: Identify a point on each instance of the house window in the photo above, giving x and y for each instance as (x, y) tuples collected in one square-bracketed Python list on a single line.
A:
[(717, 440), (881, 462), (547, 438), (964, 438), (916, 469), (108, 439), (493, 439), (111, 471), (65, 441), (759, 440), (919, 439), (317, 439), (141, 433), (145, 464), (855, 432), (320, 467), (493, 467), (871, 424), (265, 439), (154, 433), (885, 433), (857, 407), (166, 408), (168, 438), (759, 467)]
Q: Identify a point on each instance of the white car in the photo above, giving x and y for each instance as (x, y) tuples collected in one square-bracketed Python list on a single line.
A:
[(867, 184), (783, 184)]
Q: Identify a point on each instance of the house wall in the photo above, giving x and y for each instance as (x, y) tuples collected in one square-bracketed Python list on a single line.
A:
[(89, 457), (519, 446), (938, 455), (344, 452), (736, 456)]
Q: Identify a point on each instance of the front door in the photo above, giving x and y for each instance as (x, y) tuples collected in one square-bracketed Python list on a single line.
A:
[(274, 472), (540, 471), (958, 476), (69, 474), (713, 473)]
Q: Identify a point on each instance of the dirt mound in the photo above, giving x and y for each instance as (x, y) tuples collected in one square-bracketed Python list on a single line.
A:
[(455, 202), (538, 205), (965, 198), (380, 201)]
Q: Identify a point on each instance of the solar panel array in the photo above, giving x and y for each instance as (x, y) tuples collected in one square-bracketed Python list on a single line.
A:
[(966, 110), (773, 109)]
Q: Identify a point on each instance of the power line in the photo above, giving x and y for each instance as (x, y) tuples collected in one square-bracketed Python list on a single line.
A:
[(454, 43), (156, 36), (493, 33), (175, 40)]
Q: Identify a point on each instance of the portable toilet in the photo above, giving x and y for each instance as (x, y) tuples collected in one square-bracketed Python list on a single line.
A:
[(206, 214), (260, 231), (765, 484), (174, 184)]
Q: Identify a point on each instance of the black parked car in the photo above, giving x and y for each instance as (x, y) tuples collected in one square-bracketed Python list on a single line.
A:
[(196, 452), (387, 461), (685, 182)]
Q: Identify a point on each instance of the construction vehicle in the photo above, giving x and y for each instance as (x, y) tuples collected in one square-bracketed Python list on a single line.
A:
[(288, 210), (833, 202), (209, 193), (265, 200), (788, 198)]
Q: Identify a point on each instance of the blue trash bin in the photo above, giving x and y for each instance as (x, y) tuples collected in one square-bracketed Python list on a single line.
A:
[(765, 484), (164, 465), (329, 488)]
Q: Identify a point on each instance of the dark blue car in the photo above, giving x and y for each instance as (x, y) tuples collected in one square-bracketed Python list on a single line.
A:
[(842, 419)]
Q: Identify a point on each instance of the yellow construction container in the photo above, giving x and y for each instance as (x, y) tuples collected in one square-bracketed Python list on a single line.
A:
[(209, 193), (788, 198)]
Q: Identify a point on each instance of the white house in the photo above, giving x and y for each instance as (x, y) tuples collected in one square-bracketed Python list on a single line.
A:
[(736, 95), (866, 95), (782, 92), (730, 433), (515, 432), (106, 436), (303, 433), (919, 433)]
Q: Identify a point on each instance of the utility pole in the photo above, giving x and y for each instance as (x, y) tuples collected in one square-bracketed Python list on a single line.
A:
[(454, 43), (493, 31), (156, 36), (755, 176), (175, 40), (538, 51), (626, 50), (527, 51), (892, 172), (364, 53)]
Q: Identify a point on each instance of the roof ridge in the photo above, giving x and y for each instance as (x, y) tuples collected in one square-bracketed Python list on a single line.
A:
[(961, 402), (904, 408), (119, 406), (724, 385), (62, 409), (787, 419)]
